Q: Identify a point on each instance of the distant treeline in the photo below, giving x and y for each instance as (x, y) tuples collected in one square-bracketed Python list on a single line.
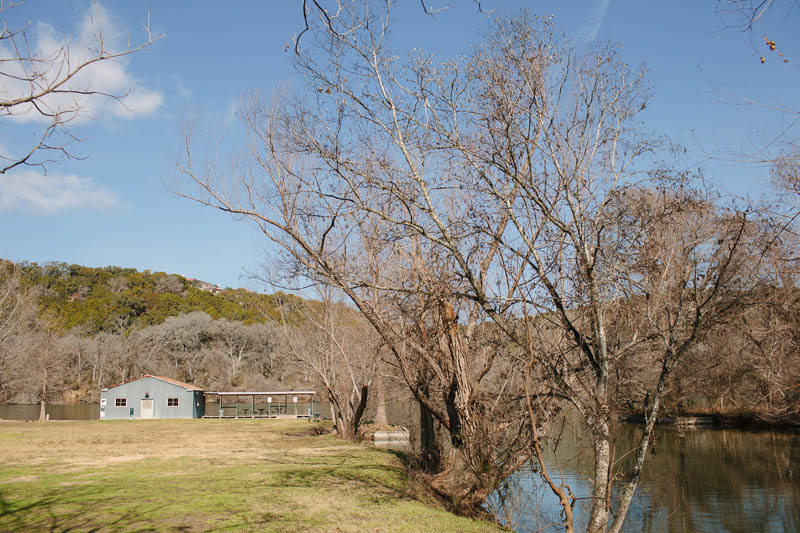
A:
[(746, 366), (68, 330)]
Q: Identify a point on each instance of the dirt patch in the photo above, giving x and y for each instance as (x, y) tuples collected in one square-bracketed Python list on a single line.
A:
[(78, 465), (20, 479), (324, 450)]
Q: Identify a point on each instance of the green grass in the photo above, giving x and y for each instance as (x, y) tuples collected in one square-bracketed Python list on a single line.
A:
[(201, 475)]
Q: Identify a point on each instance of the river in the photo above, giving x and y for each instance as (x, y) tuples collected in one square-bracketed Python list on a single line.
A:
[(706, 480), (81, 411)]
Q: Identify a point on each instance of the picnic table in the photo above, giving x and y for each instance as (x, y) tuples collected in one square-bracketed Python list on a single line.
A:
[(277, 409)]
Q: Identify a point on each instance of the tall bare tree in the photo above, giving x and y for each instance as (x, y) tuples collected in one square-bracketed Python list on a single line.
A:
[(610, 252), (514, 184), (349, 184)]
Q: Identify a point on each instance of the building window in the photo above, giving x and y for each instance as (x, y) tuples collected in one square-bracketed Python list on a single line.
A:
[(172, 402), (120, 402)]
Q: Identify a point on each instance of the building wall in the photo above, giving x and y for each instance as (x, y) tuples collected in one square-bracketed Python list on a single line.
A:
[(159, 391)]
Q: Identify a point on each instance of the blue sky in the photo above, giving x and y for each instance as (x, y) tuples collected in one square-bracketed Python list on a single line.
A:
[(113, 208)]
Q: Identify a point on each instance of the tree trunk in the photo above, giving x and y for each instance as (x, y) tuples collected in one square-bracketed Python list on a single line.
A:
[(598, 520), (43, 399), (381, 418), (429, 449), (626, 496), (334, 414), (460, 486), (353, 424)]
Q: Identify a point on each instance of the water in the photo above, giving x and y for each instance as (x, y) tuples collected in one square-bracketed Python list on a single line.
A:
[(710, 480), (81, 411)]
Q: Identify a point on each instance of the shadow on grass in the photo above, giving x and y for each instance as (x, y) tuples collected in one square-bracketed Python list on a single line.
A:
[(54, 513), (327, 474), (145, 503)]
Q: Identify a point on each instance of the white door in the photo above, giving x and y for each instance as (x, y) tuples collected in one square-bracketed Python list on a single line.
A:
[(146, 409)]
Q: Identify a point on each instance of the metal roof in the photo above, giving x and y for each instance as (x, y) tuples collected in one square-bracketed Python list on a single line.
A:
[(273, 393), (186, 386)]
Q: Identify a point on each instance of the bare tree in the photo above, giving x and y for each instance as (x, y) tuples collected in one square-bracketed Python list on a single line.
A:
[(36, 366), (598, 230), (49, 85), (348, 182), (16, 308), (761, 367), (12, 299), (757, 18), (239, 343), (149, 346), (763, 21), (184, 336), (342, 351), (76, 347), (513, 185), (329, 11)]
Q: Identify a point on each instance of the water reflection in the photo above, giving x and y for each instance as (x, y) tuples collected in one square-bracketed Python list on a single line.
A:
[(82, 411), (710, 480)]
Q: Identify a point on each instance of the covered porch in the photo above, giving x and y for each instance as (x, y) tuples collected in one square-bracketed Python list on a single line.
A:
[(272, 404)]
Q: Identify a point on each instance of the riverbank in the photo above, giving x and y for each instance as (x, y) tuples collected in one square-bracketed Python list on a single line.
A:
[(200, 475), (740, 420)]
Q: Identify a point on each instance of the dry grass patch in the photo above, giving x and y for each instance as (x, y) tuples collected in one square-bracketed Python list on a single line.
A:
[(201, 475)]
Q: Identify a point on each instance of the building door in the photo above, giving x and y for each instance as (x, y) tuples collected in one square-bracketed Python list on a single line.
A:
[(146, 409)]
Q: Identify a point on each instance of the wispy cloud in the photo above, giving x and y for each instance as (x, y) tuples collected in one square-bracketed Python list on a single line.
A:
[(231, 112), (109, 77), (596, 18), (32, 192), (182, 90)]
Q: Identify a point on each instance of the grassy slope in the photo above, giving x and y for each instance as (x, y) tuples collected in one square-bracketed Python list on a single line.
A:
[(203, 475)]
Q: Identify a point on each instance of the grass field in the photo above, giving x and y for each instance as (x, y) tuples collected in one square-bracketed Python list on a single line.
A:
[(200, 475)]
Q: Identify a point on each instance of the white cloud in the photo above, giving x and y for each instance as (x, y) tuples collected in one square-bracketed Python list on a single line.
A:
[(139, 102), (182, 90), (231, 112), (47, 194), (111, 76), (596, 19)]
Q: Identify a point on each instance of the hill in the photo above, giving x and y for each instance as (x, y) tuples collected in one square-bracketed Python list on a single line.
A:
[(117, 300), (66, 331)]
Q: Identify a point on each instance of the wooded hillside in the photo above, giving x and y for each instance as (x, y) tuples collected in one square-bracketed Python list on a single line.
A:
[(113, 299), (68, 330)]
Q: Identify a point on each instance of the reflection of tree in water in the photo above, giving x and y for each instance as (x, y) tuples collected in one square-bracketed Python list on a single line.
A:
[(711, 480), (723, 479)]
